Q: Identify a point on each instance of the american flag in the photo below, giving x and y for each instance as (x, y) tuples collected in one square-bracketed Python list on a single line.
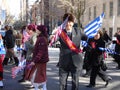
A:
[(92, 28), (57, 33), (17, 69)]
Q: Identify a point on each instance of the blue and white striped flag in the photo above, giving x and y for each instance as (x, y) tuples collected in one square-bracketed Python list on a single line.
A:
[(84, 43), (108, 50), (2, 48), (92, 28)]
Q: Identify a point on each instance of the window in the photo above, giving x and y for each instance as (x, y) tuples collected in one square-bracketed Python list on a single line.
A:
[(118, 29), (104, 8), (111, 9), (118, 8), (94, 11), (110, 32), (89, 13)]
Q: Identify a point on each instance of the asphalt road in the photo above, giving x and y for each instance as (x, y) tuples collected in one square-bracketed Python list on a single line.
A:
[(53, 79)]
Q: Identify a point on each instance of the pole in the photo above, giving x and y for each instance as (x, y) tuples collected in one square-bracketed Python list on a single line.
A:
[(113, 24)]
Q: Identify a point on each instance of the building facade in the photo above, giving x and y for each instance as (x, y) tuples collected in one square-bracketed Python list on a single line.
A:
[(46, 12), (111, 8), (23, 6)]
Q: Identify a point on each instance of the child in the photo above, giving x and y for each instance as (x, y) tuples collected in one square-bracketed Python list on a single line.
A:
[(40, 59)]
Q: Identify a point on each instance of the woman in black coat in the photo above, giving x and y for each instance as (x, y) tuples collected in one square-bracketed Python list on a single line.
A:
[(96, 58)]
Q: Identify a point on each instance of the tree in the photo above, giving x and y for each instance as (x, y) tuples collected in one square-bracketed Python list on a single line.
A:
[(9, 20), (18, 24), (77, 7)]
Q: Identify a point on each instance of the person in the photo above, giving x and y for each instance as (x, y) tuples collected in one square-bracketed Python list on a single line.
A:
[(106, 37), (70, 59), (96, 59), (19, 40), (37, 75), (117, 50), (25, 37), (31, 30), (86, 65), (9, 40), (2, 55), (112, 46)]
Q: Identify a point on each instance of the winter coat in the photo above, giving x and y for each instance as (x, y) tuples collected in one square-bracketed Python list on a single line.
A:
[(30, 46), (96, 55), (40, 52), (66, 54), (9, 39), (40, 58)]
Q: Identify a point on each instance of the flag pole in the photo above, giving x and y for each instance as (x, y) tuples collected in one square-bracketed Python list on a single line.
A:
[(113, 24)]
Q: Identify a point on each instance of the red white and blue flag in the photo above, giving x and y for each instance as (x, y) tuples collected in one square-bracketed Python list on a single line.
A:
[(58, 32)]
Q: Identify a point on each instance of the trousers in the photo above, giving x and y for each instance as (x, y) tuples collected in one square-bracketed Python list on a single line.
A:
[(63, 76)]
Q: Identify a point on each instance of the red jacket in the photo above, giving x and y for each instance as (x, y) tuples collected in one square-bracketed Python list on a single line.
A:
[(40, 52)]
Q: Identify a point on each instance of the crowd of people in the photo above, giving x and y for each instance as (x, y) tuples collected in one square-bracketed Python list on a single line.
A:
[(33, 39)]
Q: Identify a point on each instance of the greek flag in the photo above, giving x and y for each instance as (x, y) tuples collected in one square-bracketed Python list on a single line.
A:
[(92, 28), (108, 50), (2, 48), (84, 43)]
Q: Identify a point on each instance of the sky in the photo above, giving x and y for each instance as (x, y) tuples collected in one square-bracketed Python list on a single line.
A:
[(14, 6)]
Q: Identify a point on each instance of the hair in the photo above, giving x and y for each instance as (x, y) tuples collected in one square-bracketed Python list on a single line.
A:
[(23, 28), (70, 17), (31, 27), (7, 27), (100, 32), (43, 30)]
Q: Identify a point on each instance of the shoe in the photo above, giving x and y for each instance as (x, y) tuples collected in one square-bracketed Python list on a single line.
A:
[(31, 86), (118, 67), (90, 86), (107, 81), (21, 80), (1, 86), (85, 75)]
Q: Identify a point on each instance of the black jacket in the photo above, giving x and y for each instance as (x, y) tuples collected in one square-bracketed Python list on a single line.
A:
[(9, 39), (96, 55)]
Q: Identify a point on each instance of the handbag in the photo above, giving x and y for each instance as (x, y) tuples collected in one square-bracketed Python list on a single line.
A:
[(103, 65)]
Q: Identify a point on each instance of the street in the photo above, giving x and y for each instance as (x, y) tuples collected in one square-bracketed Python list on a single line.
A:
[(53, 79)]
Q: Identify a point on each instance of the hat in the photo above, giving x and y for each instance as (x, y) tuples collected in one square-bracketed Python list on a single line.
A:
[(42, 29), (70, 17), (32, 27)]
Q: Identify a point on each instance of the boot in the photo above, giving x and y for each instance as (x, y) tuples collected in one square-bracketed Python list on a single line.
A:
[(16, 61), (5, 61)]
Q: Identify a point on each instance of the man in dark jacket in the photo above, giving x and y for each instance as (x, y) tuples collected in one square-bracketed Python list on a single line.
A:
[(70, 60), (9, 41)]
